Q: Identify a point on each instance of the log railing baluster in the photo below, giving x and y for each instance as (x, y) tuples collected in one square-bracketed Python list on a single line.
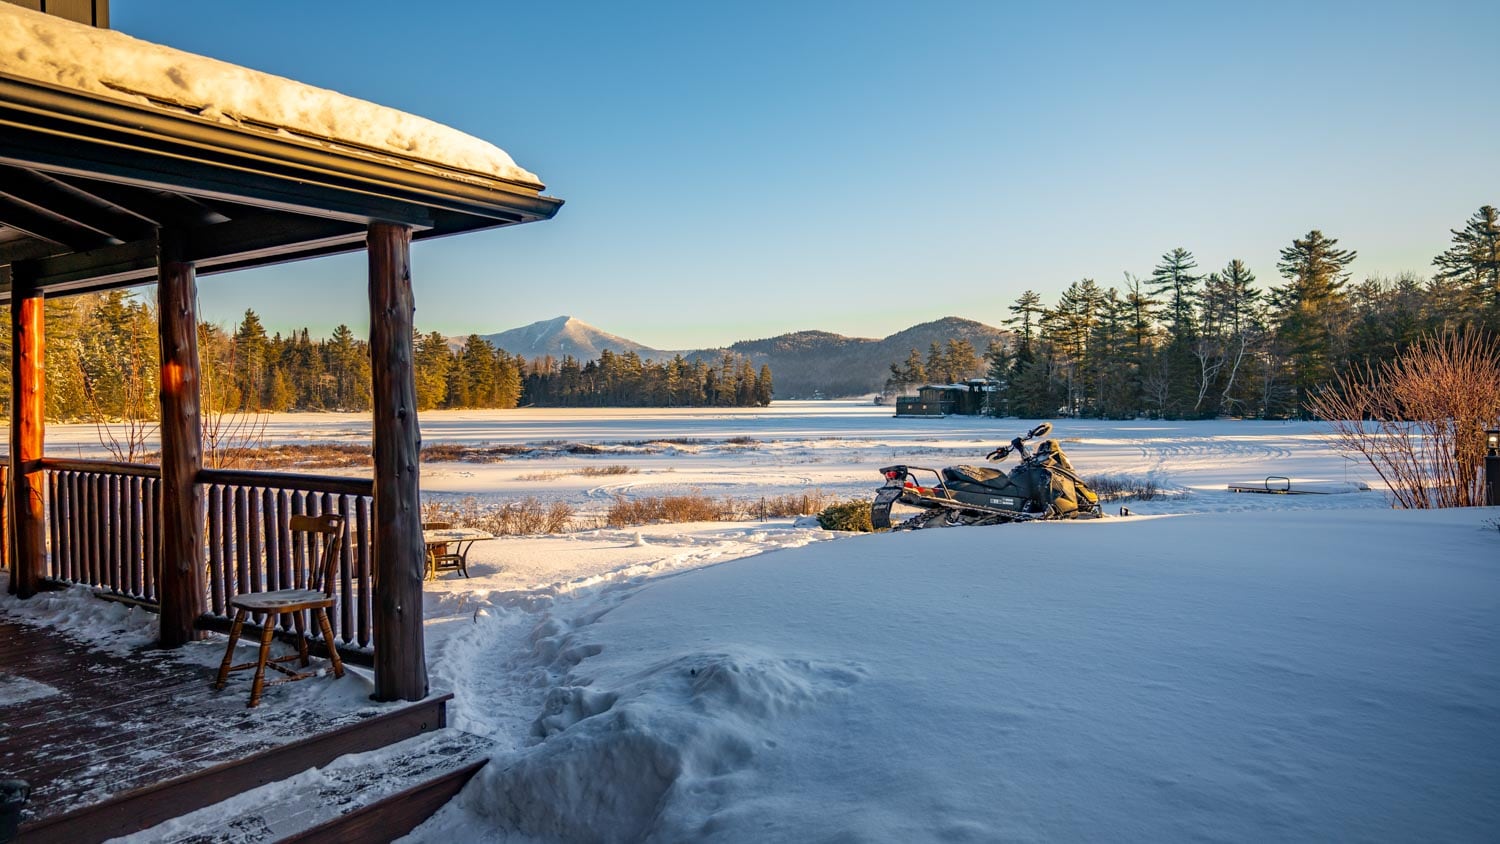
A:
[(54, 566), (115, 571), (217, 600), (362, 568)]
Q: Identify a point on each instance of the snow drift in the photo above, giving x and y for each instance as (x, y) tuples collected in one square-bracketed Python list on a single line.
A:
[(1133, 679)]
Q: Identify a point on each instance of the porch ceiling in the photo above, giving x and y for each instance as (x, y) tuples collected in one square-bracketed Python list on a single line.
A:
[(87, 181)]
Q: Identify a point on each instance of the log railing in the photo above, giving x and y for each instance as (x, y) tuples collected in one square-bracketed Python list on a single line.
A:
[(251, 549), (104, 529), (102, 525)]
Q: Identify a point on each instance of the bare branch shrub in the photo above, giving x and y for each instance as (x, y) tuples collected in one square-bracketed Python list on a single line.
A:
[(598, 471), (791, 504), (542, 476), (1419, 419), (442, 452), (1125, 487), (671, 509), (316, 456), (527, 517)]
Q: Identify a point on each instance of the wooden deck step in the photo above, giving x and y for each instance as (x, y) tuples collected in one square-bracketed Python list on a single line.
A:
[(374, 796), (141, 808)]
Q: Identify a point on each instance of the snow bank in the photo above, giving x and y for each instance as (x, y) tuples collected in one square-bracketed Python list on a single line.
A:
[(1247, 676), (610, 759), (45, 48)]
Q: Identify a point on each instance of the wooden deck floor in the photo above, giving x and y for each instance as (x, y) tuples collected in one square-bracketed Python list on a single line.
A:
[(83, 726)]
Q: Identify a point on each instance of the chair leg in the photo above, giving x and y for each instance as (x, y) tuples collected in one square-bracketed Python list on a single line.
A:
[(234, 638), (333, 651), (259, 685), (301, 625)]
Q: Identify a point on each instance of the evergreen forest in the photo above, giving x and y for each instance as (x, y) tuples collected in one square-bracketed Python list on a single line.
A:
[(1187, 342), (102, 353)]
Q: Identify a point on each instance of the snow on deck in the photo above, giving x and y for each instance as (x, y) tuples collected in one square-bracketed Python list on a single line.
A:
[(48, 49)]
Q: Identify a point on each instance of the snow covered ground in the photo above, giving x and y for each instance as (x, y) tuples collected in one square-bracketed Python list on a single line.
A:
[(1225, 667)]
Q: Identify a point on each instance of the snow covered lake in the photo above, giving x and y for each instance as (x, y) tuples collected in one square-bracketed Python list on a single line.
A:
[(1222, 666)]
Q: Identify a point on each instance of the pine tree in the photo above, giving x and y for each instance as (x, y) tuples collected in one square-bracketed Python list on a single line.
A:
[(348, 364), (1108, 373), (1473, 261), (1026, 312), (764, 388), (1068, 330), (1239, 297), (431, 361), (507, 379), (961, 358), (913, 371), (1231, 321), (479, 371), (251, 357), (1139, 310), (302, 361), (282, 396), (1313, 310), (1174, 277), (744, 385)]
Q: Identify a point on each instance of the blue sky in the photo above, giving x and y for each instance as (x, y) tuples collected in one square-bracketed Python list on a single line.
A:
[(739, 170)]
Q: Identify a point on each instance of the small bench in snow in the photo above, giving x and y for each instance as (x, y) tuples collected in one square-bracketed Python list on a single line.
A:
[(1278, 485)]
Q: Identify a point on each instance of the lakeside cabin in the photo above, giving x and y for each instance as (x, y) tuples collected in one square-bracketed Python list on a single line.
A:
[(127, 163), (974, 397)]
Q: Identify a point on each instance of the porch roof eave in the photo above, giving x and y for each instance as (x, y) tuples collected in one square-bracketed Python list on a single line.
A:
[(260, 196)]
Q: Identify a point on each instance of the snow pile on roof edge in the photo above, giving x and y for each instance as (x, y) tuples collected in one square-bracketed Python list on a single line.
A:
[(48, 49)]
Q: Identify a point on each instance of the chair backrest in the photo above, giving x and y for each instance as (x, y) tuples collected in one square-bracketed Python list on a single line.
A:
[(325, 534), (436, 525)]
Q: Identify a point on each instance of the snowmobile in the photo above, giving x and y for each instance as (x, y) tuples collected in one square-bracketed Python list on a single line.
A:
[(1043, 486)]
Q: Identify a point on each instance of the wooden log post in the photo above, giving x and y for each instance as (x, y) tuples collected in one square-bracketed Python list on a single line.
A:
[(400, 556), (180, 587), (28, 542)]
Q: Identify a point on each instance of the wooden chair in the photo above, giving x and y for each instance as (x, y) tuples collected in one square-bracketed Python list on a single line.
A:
[(315, 595)]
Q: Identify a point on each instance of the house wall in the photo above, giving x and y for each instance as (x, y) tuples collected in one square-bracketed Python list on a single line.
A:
[(91, 12)]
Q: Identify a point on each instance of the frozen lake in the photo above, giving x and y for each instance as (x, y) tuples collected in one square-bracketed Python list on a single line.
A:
[(837, 447)]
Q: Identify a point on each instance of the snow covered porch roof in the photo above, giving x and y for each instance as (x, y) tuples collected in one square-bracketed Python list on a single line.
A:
[(104, 139)]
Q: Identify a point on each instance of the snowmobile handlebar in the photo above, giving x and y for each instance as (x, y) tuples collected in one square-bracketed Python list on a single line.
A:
[(1018, 445)]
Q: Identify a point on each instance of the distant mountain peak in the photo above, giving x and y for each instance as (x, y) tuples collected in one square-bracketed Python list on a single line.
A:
[(565, 336), (803, 363)]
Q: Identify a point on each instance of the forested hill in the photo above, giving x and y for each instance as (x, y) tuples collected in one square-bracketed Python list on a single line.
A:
[(833, 365)]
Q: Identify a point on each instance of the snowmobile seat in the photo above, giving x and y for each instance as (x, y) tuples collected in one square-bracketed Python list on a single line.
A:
[(973, 475)]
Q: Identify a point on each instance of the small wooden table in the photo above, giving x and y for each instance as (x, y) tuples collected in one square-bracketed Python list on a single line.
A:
[(461, 537)]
